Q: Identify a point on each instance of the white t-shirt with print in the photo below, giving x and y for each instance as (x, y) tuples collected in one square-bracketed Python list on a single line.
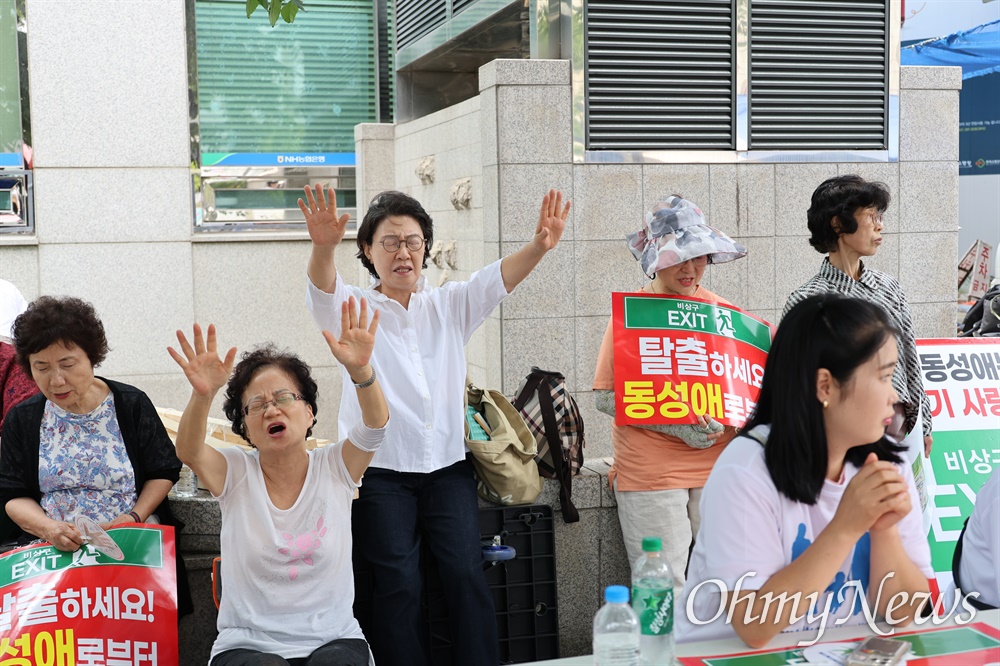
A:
[(748, 527), (288, 585)]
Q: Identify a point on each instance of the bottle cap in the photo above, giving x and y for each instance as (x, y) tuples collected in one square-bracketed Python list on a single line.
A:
[(616, 594), (652, 544)]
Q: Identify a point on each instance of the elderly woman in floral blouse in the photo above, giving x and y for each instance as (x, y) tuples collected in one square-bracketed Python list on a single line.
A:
[(87, 446)]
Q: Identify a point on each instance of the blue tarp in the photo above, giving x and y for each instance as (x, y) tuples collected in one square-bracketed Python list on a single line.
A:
[(976, 51)]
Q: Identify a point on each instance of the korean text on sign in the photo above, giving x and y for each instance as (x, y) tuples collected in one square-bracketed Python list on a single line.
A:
[(677, 358)]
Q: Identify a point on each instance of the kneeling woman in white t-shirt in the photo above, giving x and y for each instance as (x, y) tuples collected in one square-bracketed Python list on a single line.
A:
[(286, 511), (811, 501)]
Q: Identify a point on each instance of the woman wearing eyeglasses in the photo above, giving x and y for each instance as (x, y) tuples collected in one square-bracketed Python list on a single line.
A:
[(286, 510), (659, 470), (420, 487), (845, 223)]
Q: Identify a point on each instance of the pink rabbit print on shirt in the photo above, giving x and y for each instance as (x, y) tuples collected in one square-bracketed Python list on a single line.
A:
[(300, 547)]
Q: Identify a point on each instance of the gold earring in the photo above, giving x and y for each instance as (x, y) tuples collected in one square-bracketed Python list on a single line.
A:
[(826, 403)]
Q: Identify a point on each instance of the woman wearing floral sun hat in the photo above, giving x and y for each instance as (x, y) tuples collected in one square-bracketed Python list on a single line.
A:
[(659, 470)]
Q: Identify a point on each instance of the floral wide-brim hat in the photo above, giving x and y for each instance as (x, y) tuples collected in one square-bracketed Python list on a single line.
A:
[(675, 232)]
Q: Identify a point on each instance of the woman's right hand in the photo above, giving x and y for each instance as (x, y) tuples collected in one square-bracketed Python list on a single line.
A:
[(357, 338), (201, 364), (877, 497), (324, 225), (62, 536)]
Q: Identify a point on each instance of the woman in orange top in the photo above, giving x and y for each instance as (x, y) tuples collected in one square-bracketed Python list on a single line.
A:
[(659, 470)]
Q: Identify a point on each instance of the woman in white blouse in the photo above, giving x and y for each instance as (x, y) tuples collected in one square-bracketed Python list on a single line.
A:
[(420, 487)]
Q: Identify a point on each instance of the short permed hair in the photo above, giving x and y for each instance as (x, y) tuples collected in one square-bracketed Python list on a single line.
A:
[(839, 198), (386, 204), (66, 319), (250, 364)]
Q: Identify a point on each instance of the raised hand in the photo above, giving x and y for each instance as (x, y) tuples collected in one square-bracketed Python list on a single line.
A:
[(324, 225), (357, 339), (201, 364), (876, 498), (551, 221)]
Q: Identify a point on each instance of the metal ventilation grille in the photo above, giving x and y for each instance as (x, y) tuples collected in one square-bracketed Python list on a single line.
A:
[(660, 75), (459, 5), (415, 18), (819, 75)]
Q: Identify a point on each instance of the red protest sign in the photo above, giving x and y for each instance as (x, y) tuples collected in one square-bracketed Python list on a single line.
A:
[(676, 358), (85, 608)]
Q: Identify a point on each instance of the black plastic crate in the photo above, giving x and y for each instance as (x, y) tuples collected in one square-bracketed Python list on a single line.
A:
[(524, 589)]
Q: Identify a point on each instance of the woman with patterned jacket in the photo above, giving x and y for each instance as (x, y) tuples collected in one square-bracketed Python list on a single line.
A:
[(845, 222)]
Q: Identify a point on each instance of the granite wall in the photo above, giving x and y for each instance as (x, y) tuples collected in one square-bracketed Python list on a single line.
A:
[(557, 316)]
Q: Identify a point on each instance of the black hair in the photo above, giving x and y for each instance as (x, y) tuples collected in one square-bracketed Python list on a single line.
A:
[(839, 198), (250, 364), (386, 204), (69, 320), (825, 331)]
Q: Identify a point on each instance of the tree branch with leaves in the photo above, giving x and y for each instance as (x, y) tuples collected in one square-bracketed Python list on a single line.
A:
[(285, 9)]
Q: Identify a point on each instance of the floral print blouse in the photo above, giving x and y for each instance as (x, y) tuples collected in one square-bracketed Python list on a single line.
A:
[(83, 466)]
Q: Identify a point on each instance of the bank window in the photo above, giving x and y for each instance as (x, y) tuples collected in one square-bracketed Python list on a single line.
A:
[(274, 109), (16, 205)]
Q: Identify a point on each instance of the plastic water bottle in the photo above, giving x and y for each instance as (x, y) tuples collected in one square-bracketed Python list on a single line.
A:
[(653, 601), (187, 484), (616, 630)]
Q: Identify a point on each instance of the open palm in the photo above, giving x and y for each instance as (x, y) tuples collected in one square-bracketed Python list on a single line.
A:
[(551, 221), (357, 339), (324, 225), (206, 372)]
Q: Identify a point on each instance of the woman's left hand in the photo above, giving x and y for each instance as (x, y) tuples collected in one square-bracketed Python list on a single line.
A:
[(357, 339), (551, 221)]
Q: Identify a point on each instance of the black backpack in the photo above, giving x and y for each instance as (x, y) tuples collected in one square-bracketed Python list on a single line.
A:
[(552, 416)]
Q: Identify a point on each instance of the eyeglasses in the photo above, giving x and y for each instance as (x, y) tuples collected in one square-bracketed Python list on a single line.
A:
[(875, 217), (281, 400), (392, 243)]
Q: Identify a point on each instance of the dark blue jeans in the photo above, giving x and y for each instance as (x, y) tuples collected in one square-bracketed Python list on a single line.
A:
[(393, 514)]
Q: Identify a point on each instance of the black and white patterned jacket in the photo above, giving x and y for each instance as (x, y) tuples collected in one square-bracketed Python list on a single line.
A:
[(883, 290)]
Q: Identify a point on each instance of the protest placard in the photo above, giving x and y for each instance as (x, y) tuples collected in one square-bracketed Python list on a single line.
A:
[(85, 608), (677, 358), (962, 379)]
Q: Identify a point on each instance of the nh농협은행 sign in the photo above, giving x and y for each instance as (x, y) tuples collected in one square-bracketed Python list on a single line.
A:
[(676, 358)]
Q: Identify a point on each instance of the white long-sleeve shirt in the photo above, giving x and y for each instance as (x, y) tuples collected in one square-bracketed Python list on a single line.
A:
[(419, 358)]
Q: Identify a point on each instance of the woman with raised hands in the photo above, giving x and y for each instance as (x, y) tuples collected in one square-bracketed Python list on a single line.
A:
[(286, 510), (421, 488)]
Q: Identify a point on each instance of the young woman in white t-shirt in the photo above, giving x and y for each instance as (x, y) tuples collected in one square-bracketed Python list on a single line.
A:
[(811, 503), (286, 510)]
